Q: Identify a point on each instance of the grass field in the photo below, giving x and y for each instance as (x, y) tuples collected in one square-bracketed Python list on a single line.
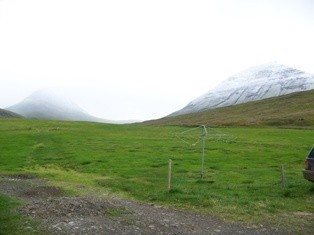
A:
[(241, 172)]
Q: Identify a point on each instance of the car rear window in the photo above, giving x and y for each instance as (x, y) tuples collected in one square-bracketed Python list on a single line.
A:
[(311, 154)]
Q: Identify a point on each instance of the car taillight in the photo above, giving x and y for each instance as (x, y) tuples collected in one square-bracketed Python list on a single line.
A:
[(307, 165)]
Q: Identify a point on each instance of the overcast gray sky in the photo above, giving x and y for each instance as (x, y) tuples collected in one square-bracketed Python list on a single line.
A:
[(144, 59)]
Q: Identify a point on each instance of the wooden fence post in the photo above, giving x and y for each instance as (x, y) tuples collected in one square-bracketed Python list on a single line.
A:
[(169, 176)]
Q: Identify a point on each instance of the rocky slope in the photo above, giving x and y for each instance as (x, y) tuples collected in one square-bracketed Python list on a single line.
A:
[(256, 83), (7, 114)]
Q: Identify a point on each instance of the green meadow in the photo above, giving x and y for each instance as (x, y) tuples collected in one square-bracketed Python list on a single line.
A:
[(242, 178)]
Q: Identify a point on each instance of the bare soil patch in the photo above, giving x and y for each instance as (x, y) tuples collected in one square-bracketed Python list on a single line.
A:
[(61, 214)]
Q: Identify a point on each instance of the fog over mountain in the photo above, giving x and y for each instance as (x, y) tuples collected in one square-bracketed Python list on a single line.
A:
[(256, 83), (50, 104)]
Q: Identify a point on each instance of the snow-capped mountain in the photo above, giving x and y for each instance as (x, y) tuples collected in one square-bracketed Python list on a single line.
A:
[(256, 83), (52, 105)]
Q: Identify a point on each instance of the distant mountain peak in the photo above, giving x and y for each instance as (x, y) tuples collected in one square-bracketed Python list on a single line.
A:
[(53, 97), (255, 83), (52, 104)]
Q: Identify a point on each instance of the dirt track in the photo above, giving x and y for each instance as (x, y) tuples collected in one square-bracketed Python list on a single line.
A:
[(59, 214)]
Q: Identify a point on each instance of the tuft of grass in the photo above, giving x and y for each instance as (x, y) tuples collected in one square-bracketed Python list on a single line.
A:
[(86, 162), (38, 146), (200, 181), (115, 212), (13, 223)]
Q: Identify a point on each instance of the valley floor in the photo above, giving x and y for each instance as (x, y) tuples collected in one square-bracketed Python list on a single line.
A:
[(58, 213)]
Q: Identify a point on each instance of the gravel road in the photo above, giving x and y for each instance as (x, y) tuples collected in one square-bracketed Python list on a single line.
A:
[(60, 214)]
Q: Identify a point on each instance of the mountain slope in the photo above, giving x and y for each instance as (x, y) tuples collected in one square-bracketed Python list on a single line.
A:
[(256, 83), (52, 105), (292, 110), (7, 114)]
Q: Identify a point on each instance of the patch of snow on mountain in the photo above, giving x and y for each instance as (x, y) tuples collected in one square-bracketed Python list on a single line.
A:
[(256, 83)]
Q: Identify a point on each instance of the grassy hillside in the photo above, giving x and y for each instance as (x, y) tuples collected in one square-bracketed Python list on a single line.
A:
[(8, 114), (241, 170), (293, 110)]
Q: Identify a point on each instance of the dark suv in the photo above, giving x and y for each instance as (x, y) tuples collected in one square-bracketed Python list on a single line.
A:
[(308, 171)]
